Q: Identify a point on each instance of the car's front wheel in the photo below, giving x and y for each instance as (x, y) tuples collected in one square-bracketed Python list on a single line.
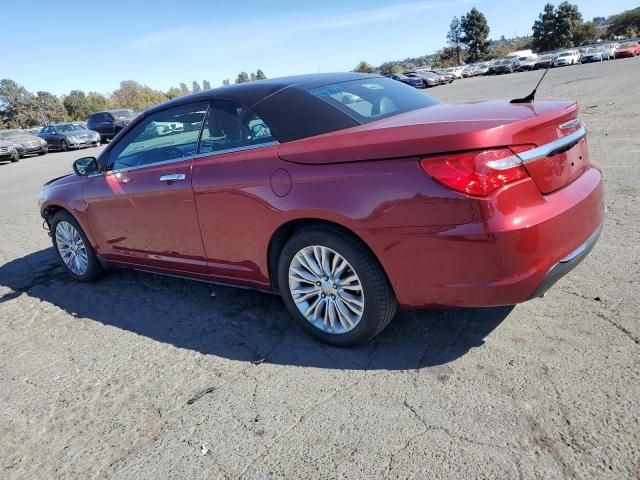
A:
[(15, 157), (63, 146), (334, 287), (73, 248)]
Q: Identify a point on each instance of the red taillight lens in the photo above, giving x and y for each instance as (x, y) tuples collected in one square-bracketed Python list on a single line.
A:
[(476, 173)]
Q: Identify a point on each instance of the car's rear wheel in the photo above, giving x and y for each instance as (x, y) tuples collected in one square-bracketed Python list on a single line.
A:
[(74, 249), (334, 287), (63, 146), (15, 157)]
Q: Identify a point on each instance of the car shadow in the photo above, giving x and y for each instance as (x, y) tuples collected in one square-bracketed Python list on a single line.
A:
[(240, 324)]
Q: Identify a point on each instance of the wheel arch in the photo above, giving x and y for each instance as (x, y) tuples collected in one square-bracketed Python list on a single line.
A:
[(285, 231)]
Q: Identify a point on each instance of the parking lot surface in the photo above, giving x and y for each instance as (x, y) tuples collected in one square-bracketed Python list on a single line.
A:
[(147, 377)]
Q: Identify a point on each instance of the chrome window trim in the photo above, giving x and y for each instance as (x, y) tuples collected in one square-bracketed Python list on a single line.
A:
[(237, 149), (190, 157), (138, 167), (552, 147)]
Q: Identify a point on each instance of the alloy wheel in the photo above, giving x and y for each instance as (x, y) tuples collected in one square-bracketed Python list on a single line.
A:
[(326, 289), (71, 248)]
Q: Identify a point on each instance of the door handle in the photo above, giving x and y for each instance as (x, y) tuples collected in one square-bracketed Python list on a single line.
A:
[(174, 177)]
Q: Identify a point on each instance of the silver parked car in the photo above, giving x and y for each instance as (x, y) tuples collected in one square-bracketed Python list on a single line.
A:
[(72, 135), (7, 152), (24, 142)]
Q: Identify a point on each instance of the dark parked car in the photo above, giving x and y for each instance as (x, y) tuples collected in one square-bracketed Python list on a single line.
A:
[(7, 152), (430, 79), (413, 81), (507, 65), (346, 209), (24, 142), (65, 136), (110, 122), (544, 61)]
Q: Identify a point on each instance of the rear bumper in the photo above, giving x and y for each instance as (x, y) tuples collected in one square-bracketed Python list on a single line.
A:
[(507, 255), (567, 264)]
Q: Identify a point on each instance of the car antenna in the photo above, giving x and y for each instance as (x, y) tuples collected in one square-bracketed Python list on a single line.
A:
[(529, 98)]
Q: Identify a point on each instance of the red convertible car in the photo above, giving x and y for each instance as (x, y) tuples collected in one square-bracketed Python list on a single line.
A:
[(628, 49), (349, 194)]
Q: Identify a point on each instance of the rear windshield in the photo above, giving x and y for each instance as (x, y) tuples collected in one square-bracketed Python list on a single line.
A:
[(370, 99)]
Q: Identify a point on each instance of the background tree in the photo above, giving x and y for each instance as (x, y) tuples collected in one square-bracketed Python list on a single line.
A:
[(260, 75), (76, 105), (16, 105), (389, 68), (586, 34), (195, 87), (544, 30), (49, 108), (568, 24), (242, 77), (625, 24), (135, 96), (475, 34), (184, 89), (252, 76), (206, 85), (97, 102), (364, 67), (172, 93), (226, 82), (454, 37)]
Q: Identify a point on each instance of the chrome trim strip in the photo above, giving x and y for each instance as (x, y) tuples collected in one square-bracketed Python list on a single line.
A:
[(190, 157), (553, 147), (236, 149), (570, 124)]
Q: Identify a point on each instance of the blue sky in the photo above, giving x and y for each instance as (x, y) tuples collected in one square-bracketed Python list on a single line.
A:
[(60, 46)]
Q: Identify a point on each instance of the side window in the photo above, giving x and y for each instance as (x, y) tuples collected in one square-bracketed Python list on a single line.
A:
[(230, 125), (171, 134)]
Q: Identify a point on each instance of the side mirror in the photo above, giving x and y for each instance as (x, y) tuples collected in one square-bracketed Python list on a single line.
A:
[(85, 166)]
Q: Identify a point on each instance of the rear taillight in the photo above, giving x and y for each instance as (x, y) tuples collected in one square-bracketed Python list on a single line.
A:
[(478, 172)]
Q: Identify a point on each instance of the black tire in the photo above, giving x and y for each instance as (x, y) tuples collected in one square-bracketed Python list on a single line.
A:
[(94, 269), (15, 157), (380, 303), (43, 152), (63, 146)]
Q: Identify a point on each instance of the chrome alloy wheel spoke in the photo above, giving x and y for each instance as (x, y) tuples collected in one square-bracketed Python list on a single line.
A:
[(71, 248), (326, 289)]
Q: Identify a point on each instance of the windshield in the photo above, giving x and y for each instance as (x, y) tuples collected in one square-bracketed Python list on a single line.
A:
[(122, 114), (504, 62), (11, 134), (628, 45), (67, 127), (565, 54), (370, 99)]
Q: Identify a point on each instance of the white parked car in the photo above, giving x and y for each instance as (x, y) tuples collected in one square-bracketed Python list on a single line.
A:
[(456, 71), (568, 57)]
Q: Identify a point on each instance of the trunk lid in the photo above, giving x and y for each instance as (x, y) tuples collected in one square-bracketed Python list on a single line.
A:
[(447, 128)]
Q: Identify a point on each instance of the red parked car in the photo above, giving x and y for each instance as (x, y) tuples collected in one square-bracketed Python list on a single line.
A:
[(628, 49), (346, 193)]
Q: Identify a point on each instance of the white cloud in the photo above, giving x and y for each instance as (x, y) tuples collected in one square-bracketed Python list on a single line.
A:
[(256, 34)]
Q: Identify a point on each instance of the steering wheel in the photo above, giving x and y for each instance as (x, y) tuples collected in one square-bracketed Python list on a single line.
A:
[(160, 154)]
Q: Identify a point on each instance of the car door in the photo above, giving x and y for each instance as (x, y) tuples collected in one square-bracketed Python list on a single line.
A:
[(231, 172), (141, 206), (45, 133)]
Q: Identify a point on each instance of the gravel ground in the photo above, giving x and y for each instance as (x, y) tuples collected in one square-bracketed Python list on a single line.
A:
[(146, 377)]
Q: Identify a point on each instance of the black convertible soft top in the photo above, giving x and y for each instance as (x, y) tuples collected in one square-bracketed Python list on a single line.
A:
[(283, 103)]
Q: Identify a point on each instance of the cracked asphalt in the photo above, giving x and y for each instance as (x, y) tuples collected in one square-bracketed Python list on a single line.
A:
[(147, 377)]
